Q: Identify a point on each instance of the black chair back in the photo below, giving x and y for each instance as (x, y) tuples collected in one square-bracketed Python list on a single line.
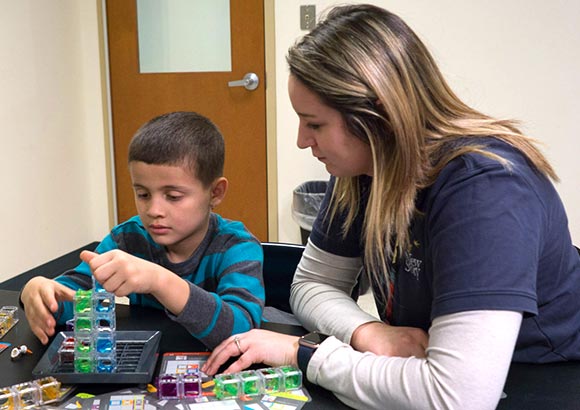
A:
[(280, 262)]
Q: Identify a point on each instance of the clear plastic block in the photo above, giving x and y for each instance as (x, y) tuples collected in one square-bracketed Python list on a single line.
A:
[(84, 364), (83, 302), (83, 324), (273, 380), (169, 387), (66, 355), (292, 377), (7, 318), (4, 325), (49, 390), (105, 322), (8, 399), (106, 364), (191, 385), (8, 313), (252, 383), (104, 302), (84, 346), (28, 395), (227, 385), (105, 344)]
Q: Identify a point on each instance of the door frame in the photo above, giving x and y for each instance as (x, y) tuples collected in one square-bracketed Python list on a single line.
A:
[(271, 145)]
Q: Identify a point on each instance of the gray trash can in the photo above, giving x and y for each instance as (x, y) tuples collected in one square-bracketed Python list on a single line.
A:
[(306, 201)]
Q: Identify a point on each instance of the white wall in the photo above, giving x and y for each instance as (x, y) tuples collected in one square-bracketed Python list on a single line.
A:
[(518, 59), (52, 172)]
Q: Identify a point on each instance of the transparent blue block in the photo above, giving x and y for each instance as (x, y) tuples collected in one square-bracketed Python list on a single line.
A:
[(105, 345), (106, 364)]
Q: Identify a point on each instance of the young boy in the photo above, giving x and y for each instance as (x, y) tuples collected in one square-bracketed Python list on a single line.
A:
[(177, 255)]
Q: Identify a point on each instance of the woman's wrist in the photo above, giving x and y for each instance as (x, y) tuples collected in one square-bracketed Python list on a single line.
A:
[(307, 346)]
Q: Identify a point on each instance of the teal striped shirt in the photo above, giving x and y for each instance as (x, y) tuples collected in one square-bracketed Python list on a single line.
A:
[(225, 276)]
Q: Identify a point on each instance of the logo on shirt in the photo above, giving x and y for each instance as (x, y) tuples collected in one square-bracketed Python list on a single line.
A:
[(413, 265)]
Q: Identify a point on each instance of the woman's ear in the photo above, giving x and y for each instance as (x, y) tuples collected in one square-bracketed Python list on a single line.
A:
[(218, 191)]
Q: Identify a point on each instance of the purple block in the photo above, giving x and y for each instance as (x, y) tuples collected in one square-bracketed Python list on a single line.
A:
[(191, 385), (169, 387)]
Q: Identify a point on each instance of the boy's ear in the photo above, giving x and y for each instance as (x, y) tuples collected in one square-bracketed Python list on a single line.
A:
[(218, 191)]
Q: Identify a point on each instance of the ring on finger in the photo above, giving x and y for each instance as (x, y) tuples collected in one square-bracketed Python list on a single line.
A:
[(237, 342)]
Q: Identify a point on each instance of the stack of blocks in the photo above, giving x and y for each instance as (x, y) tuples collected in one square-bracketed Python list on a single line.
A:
[(30, 395), (257, 382), (94, 332)]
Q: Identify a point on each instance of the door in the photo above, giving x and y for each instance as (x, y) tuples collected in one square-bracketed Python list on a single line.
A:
[(239, 113)]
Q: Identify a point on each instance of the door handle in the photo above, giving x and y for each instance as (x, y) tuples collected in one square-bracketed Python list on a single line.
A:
[(250, 82)]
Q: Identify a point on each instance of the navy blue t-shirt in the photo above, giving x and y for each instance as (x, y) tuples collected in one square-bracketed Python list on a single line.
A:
[(485, 237)]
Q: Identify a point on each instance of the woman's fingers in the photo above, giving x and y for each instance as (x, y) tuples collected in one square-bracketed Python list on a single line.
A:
[(222, 353)]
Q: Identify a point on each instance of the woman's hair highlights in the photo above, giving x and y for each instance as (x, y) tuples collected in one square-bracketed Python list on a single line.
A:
[(369, 65)]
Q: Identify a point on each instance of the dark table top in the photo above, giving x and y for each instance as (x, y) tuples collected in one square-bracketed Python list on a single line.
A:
[(174, 338), (530, 387)]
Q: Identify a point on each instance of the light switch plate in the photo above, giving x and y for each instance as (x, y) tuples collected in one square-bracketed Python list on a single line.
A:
[(307, 17)]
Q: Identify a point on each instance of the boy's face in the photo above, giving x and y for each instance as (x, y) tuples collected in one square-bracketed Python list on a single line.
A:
[(174, 206)]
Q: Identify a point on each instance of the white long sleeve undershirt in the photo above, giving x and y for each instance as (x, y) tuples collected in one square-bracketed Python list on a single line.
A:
[(466, 362)]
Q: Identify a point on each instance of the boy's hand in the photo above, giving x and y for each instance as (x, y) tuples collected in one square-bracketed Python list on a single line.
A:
[(121, 273), (40, 297)]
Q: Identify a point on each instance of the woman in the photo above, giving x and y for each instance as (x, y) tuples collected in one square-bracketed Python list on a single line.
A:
[(450, 212)]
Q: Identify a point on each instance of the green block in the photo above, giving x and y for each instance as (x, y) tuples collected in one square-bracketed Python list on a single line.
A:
[(252, 383), (84, 365), (83, 324), (227, 385), (83, 301), (292, 377), (84, 347), (272, 380)]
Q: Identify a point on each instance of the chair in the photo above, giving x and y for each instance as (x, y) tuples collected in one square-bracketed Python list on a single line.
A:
[(280, 262)]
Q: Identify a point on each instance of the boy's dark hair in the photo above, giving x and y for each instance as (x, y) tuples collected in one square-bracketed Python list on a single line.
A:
[(181, 138)]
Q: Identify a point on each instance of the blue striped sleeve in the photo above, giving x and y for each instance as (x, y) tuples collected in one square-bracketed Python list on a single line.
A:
[(236, 303)]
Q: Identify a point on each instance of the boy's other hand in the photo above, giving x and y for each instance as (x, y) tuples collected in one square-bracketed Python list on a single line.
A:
[(40, 297), (121, 273)]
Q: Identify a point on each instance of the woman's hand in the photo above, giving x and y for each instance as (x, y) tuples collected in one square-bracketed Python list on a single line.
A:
[(382, 339), (40, 297), (256, 346)]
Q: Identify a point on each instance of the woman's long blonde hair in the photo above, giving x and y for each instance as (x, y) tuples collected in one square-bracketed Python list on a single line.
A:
[(369, 65)]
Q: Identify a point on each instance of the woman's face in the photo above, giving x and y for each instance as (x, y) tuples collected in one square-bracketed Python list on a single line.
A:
[(323, 130)]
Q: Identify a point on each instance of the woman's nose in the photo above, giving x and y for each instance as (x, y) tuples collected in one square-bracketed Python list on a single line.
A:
[(304, 139)]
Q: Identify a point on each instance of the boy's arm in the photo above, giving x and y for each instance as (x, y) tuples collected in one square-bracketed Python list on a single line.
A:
[(237, 303)]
